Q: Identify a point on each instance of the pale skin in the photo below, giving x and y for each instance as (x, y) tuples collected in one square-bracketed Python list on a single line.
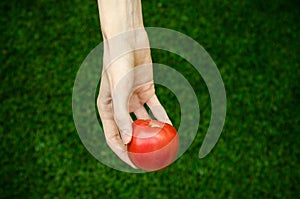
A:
[(127, 79)]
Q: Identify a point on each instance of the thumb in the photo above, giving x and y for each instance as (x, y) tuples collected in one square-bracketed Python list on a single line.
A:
[(121, 112)]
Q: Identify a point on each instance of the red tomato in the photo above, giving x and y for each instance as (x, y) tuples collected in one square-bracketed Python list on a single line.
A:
[(154, 145)]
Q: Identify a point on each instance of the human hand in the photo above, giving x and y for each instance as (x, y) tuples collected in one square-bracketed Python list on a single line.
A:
[(126, 86)]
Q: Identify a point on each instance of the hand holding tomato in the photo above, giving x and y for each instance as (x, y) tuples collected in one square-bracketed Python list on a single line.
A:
[(154, 145), (122, 92)]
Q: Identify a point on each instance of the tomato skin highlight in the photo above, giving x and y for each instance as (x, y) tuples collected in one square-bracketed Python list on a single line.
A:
[(154, 145)]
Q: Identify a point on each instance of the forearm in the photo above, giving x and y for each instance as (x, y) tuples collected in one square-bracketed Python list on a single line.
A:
[(117, 16)]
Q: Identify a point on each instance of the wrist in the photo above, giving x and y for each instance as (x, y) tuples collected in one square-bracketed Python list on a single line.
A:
[(118, 16), (134, 42)]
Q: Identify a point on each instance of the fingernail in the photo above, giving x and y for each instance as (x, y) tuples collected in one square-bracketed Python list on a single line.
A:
[(126, 136)]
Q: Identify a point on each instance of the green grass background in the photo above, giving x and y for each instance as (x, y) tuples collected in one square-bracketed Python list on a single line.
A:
[(255, 44)]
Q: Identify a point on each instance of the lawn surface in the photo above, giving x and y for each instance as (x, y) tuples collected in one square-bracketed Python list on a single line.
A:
[(255, 45)]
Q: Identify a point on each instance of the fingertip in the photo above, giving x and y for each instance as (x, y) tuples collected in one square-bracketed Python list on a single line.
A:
[(168, 121), (126, 136)]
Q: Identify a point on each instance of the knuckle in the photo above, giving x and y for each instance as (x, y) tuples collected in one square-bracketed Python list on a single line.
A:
[(146, 92), (103, 104)]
